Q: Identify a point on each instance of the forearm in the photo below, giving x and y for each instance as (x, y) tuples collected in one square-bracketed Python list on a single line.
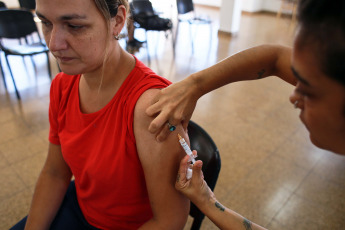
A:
[(254, 63), (225, 218), (49, 193)]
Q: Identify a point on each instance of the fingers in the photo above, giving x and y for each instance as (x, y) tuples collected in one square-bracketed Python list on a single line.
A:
[(153, 109), (158, 122), (163, 134), (182, 174), (155, 106)]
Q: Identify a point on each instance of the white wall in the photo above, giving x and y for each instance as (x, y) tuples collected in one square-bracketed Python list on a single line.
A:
[(252, 5), (261, 5), (247, 5), (230, 16), (271, 5), (11, 3), (209, 2)]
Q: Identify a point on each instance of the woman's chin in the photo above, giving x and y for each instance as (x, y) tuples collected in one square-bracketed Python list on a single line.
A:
[(334, 149), (69, 71)]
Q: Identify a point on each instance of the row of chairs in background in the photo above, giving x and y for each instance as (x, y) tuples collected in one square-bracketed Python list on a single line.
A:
[(145, 17), (19, 25)]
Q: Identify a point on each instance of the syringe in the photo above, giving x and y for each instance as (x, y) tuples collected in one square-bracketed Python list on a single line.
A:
[(186, 148), (189, 153)]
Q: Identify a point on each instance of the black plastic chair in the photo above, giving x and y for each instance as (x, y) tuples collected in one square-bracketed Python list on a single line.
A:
[(2, 6), (145, 18), (186, 13), (209, 154), (27, 4), (20, 25)]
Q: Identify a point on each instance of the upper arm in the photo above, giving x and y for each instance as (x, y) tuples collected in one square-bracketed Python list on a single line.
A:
[(160, 161), (55, 165)]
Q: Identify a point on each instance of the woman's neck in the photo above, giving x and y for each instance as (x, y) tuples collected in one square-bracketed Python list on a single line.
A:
[(117, 66), (96, 89)]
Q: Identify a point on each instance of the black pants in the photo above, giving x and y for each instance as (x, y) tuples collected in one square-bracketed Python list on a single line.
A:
[(69, 216)]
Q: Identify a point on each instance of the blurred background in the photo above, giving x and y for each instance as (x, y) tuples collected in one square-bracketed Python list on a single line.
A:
[(270, 173)]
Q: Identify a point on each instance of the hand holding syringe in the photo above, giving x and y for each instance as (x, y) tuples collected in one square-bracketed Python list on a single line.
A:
[(189, 153)]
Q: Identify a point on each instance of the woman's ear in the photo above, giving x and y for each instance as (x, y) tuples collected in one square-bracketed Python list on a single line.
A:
[(119, 20)]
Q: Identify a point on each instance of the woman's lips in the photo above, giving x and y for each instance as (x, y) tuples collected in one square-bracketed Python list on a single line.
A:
[(65, 59)]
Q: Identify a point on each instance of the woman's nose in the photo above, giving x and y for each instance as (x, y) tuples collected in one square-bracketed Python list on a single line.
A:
[(57, 40)]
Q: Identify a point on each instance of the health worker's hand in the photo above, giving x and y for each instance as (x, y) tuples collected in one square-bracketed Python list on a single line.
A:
[(195, 189), (174, 104)]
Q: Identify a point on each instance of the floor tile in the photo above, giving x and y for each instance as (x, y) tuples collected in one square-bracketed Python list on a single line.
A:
[(303, 214), (257, 200), (10, 183), (318, 189), (29, 169), (331, 167), (12, 130), (15, 208), (23, 147)]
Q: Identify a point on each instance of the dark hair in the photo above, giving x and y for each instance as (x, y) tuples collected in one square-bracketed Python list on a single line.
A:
[(322, 27), (109, 7)]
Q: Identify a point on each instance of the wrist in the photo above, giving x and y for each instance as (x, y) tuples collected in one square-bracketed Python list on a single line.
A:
[(196, 86), (206, 202)]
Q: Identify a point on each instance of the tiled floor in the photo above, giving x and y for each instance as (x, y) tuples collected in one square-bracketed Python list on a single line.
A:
[(270, 172)]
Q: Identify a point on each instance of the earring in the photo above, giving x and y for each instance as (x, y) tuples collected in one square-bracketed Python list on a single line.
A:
[(117, 37)]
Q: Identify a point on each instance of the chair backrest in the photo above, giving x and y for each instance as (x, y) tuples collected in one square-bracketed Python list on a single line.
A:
[(2, 5), (209, 154), (28, 4), (142, 8), (16, 24), (184, 6)]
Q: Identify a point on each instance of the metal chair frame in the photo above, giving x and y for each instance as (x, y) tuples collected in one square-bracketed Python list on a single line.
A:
[(186, 7), (20, 25), (142, 10)]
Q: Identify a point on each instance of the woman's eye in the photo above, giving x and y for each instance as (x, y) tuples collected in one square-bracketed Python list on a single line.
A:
[(302, 92), (45, 23), (75, 27)]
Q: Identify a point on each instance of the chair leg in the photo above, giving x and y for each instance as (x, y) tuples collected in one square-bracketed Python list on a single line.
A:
[(176, 33), (173, 41), (14, 83), (191, 37), (26, 67), (2, 73), (33, 63), (48, 65), (196, 224)]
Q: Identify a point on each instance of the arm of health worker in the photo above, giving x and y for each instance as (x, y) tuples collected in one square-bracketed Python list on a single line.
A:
[(176, 103), (197, 190)]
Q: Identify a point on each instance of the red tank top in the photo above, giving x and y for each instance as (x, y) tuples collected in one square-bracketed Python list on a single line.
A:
[(100, 149)]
